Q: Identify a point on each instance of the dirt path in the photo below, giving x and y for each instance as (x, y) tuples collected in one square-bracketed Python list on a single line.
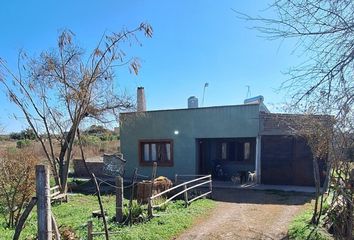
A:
[(245, 214)]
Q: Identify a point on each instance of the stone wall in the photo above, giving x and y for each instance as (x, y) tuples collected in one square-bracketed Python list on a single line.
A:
[(108, 165), (95, 167)]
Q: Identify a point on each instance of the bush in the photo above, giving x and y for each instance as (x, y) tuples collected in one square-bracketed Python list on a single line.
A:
[(17, 178), (15, 136), (23, 143), (108, 137), (89, 140), (137, 211), (24, 134)]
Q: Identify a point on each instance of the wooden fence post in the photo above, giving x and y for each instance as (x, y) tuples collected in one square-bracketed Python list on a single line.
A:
[(101, 207), (89, 230), (119, 198), (150, 214), (185, 196), (44, 220), (132, 196), (153, 176)]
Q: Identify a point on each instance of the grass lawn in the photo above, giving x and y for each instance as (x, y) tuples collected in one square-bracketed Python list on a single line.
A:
[(74, 215), (300, 228)]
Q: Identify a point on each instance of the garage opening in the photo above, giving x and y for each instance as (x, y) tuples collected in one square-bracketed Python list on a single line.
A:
[(225, 157)]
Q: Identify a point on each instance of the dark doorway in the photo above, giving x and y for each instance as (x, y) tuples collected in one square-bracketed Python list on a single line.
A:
[(225, 157)]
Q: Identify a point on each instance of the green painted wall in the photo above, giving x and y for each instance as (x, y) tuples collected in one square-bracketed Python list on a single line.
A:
[(210, 122)]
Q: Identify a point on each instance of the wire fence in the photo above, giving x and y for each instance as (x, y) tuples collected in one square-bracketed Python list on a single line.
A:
[(188, 186)]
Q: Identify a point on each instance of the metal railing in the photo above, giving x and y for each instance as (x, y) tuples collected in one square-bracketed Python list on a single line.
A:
[(197, 182)]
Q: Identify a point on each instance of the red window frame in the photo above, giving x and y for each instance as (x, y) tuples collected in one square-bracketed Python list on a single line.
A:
[(142, 162)]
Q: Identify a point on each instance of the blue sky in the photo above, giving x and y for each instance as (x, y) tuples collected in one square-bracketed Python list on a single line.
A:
[(194, 42)]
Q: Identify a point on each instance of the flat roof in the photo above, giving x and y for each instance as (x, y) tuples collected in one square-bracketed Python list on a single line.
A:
[(198, 108)]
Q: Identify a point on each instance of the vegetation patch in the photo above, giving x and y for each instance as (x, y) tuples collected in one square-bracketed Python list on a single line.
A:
[(301, 228), (72, 219)]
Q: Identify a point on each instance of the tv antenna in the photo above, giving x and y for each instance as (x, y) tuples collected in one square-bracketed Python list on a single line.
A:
[(205, 86), (248, 94)]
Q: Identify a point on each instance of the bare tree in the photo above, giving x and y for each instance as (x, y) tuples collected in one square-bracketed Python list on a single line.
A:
[(324, 83), (317, 131), (61, 88)]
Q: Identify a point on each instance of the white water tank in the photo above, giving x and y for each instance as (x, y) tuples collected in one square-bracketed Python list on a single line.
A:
[(192, 102), (254, 100)]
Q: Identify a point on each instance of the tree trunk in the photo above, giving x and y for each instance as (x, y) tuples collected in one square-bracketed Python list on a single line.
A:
[(320, 210), (65, 156), (317, 185), (23, 218), (101, 207)]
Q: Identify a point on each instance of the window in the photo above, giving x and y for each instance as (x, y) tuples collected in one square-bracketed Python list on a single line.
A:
[(159, 151), (246, 151)]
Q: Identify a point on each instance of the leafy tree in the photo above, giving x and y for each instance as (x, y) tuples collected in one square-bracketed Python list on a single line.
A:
[(96, 130), (101, 132), (61, 88), (15, 136), (28, 134), (24, 134)]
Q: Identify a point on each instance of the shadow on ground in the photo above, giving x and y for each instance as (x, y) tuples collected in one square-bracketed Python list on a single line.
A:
[(261, 196), (232, 195)]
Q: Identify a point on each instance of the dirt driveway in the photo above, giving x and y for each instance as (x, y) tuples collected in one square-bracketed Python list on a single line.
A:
[(248, 214)]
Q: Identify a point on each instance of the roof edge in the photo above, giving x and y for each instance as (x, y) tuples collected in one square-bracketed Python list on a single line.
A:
[(194, 109)]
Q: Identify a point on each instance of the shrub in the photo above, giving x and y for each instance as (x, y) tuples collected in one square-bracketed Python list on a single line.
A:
[(23, 143), (15, 136), (17, 182), (24, 134), (108, 137), (89, 140), (160, 200), (137, 211), (28, 134)]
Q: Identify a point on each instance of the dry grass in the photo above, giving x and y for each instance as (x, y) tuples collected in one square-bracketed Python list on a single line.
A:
[(7, 144), (90, 150)]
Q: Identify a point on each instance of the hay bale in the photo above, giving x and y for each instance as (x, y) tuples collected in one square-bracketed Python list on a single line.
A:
[(144, 188), (161, 184)]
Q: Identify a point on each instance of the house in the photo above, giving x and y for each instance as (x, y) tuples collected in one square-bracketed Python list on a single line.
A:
[(221, 140)]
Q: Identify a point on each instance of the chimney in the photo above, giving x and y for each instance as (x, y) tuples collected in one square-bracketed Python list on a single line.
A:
[(192, 102), (140, 100)]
